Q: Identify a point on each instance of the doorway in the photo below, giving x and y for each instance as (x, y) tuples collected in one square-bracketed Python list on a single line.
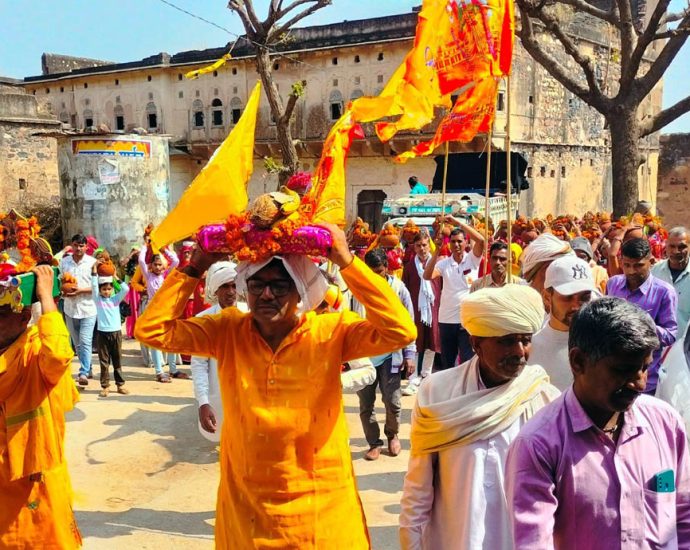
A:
[(369, 207)]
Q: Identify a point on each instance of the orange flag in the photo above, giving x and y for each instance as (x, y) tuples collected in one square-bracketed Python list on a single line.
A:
[(419, 91), (472, 113), (457, 42), (327, 193), (220, 189), (480, 53)]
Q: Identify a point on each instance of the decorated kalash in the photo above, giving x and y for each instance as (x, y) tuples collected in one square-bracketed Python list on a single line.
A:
[(279, 365), (36, 390)]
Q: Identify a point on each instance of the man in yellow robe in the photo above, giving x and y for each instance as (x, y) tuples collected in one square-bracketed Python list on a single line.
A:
[(286, 472), (36, 390)]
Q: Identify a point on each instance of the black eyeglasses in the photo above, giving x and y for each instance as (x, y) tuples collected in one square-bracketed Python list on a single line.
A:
[(279, 287)]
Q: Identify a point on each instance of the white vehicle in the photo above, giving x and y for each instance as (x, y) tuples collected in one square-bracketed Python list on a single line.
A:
[(423, 209)]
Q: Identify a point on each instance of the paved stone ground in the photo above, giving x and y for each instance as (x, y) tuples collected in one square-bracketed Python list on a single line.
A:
[(144, 477)]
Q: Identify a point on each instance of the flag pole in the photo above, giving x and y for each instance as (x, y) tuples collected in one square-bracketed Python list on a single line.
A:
[(509, 190), (487, 202), (445, 177)]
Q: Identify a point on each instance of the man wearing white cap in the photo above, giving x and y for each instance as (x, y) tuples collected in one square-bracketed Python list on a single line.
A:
[(569, 284), (464, 421), (221, 293)]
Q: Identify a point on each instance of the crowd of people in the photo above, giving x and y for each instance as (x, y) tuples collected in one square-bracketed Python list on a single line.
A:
[(531, 366)]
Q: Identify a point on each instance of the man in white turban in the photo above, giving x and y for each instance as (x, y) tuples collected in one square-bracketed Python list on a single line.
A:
[(221, 293), (538, 256), (463, 422)]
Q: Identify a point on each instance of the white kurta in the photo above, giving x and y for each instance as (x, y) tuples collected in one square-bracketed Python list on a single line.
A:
[(206, 387), (455, 498)]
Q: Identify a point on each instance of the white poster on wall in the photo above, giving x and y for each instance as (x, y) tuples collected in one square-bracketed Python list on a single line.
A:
[(108, 171)]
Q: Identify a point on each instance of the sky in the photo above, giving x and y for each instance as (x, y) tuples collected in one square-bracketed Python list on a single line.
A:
[(128, 30)]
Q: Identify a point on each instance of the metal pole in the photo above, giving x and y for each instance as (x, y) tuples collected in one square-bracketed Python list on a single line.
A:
[(487, 202)]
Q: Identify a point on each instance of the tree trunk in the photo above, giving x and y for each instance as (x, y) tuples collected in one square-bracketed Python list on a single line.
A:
[(284, 132), (625, 133)]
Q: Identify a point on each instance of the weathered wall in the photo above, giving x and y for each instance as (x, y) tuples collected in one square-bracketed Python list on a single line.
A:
[(28, 163), (553, 128), (674, 179), (108, 194)]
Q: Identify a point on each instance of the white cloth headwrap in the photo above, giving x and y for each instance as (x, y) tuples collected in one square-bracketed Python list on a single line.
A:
[(495, 312), (218, 275), (310, 282), (425, 301), (544, 248)]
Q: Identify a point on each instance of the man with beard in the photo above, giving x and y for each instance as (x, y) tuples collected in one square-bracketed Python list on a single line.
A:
[(603, 466), (676, 270), (463, 423), (425, 297), (637, 285), (498, 261), (568, 285)]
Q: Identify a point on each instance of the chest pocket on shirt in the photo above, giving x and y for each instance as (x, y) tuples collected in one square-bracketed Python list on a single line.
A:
[(660, 516)]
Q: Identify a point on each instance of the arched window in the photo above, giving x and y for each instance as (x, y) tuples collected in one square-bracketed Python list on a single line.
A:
[(356, 93), (336, 102), (152, 116), (235, 109), (88, 118), (217, 112), (64, 117), (119, 113), (198, 113)]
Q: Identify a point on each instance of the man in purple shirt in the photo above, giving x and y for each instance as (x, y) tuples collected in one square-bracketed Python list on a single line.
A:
[(603, 466), (637, 285)]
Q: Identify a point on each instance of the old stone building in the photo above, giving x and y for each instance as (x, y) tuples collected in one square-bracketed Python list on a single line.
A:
[(28, 163), (674, 179), (565, 142)]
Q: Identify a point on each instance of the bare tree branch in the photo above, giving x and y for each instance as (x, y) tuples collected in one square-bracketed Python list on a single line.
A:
[(643, 85), (284, 27), (665, 117), (582, 6), (592, 94), (238, 7), (628, 38), (671, 33), (643, 43), (673, 17)]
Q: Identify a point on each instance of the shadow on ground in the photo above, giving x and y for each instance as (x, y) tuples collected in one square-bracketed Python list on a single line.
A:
[(103, 525)]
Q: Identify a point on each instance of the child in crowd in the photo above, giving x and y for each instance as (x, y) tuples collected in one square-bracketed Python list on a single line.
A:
[(154, 270), (109, 334)]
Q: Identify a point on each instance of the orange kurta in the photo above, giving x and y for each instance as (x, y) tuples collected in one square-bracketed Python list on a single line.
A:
[(286, 472), (35, 391)]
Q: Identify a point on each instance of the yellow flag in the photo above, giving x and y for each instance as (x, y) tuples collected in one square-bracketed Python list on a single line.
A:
[(220, 189), (205, 70)]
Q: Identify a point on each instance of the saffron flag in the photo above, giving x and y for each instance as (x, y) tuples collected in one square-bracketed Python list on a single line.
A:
[(327, 193), (205, 70), (472, 113), (220, 189), (480, 53), (457, 42)]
